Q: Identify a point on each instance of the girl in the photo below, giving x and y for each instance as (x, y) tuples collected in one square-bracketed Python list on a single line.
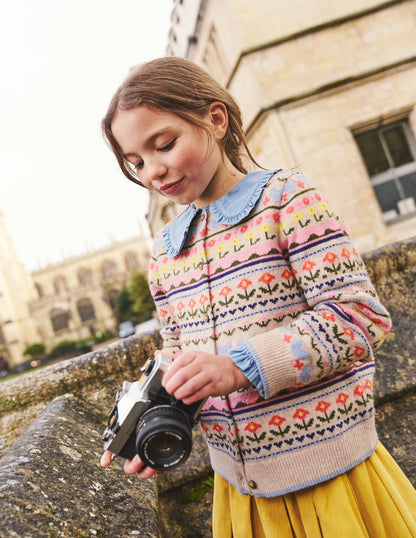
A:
[(271, 315)]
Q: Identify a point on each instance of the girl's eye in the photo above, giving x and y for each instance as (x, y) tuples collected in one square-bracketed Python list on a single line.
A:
[(138, 166), (168, 146)]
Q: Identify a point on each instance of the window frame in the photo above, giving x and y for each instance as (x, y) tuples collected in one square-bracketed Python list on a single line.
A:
[(393, 173)]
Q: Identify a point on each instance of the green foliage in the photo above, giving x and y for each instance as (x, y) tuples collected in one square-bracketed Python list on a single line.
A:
[(101, 336), (199, 491), (124, 305), (69, 348), (142, 300), (35, 350)]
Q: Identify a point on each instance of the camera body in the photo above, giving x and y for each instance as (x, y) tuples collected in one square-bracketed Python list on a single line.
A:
[(148, 421)]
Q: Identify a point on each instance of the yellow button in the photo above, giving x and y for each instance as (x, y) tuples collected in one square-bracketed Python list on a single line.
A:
[(252, 484)]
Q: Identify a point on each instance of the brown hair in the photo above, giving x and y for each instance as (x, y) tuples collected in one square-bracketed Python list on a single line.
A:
[(181, 87)]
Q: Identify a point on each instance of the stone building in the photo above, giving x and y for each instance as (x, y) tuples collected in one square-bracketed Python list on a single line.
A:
[(17, 328), (328, 87), (76, 298), (70, 300)]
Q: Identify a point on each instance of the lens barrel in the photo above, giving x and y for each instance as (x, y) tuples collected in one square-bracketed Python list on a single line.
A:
[(164, 437)]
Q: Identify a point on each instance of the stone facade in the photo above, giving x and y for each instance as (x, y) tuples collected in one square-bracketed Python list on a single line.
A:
[(70, 300), (309, 77), (17, 327), (76, 298)]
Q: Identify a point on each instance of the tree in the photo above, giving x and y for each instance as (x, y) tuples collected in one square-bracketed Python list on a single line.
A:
[(142, 300), (124, 305)]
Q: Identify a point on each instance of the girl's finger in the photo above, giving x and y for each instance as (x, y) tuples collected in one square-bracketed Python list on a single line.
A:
[(107, 458), (180, 375), (133, 466)]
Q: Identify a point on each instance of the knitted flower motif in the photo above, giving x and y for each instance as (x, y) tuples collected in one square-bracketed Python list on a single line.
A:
[(277, 421), (323, 406), (358, 351), (330, 257), (308, 265), (301, 414), (244, 284), (359, 390), (348, 332), (225, 291), (342, 398), (252, 427), (266, 278), (368, 385)]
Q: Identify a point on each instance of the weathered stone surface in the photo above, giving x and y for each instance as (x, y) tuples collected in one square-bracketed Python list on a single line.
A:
[(52, 484)]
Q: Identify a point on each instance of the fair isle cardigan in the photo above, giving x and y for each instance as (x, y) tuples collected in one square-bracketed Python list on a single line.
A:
[(267, 275)]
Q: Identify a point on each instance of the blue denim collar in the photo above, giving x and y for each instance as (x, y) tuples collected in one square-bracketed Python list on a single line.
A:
[(229, 209)]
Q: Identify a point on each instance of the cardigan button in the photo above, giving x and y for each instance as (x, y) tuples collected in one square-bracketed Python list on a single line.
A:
[(252, 484)]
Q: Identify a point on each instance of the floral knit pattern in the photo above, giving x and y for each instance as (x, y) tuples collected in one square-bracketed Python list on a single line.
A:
[(287, 296)]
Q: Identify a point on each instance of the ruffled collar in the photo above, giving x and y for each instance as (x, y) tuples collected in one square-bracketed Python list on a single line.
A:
[(229, 209)]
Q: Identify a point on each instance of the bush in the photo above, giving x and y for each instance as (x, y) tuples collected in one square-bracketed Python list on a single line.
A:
[(35, 350), (69, 348)]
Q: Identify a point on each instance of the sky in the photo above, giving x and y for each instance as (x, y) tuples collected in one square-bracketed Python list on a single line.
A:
[(61, 191)]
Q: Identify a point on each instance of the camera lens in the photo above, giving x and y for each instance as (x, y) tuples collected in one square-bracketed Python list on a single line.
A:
[(163, 437)]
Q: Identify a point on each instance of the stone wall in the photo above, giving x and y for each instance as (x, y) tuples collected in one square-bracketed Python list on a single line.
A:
[(51, 422)]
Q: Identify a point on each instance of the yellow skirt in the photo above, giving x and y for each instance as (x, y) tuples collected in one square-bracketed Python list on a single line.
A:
[(374, 499)]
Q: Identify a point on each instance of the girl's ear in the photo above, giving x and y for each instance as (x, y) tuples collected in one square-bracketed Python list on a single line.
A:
[(218, 118)]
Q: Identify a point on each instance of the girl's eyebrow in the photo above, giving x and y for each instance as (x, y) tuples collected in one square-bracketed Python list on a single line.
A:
[(148, 142)]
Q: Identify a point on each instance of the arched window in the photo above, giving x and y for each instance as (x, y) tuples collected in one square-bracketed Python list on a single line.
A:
[(85, 277), (112, 297), (131, 260), (59, 284), (39, 289), (85, 309), (59, 319), (108, 268), (2, 339)]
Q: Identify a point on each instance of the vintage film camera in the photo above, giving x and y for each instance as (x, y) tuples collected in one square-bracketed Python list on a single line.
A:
[(147, 421)]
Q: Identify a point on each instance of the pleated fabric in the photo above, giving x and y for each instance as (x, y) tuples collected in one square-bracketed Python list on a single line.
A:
[(374, 499)]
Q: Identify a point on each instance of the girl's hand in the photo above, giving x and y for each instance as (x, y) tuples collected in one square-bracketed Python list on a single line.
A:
[(195, 375), (134, 466)]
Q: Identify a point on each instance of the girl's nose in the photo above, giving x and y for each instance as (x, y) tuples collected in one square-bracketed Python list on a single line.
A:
[(156, 170)]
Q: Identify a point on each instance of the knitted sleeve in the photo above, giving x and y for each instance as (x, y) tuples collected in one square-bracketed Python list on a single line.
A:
[(343, 321)]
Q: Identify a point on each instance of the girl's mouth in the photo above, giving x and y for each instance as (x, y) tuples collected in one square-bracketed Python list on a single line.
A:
[(171, 188)]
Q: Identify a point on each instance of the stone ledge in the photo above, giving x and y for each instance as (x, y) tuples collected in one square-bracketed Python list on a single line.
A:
[(52, 484)]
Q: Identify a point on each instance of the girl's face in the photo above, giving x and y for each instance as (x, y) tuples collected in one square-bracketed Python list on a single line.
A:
[(175, 157)]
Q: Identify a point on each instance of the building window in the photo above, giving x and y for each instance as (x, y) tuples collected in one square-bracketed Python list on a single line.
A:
[(389, 154), (131, 260), (39, 289), (59, 284), (59, 320), (112, 298), (85, 309), (85, 277), (109, 269)]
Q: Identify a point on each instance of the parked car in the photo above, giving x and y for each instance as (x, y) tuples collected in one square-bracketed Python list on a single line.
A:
[(126, 328)]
